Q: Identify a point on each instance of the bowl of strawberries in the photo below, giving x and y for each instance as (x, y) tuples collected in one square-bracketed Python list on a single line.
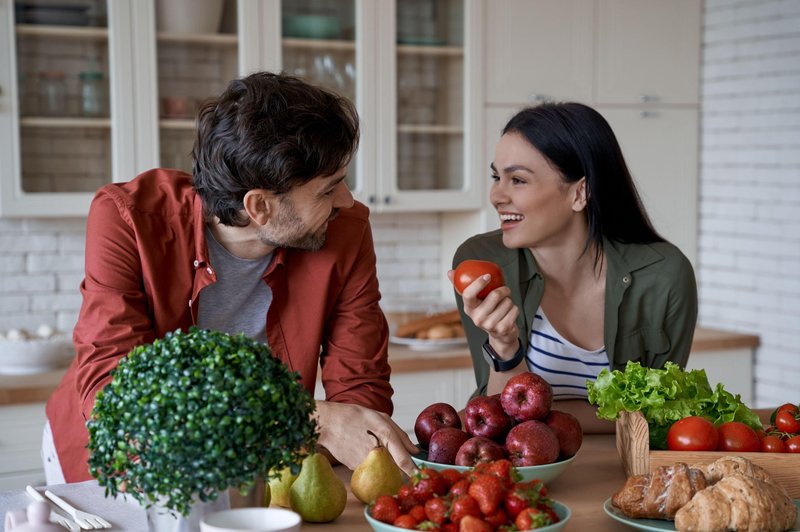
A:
[(484, 498)]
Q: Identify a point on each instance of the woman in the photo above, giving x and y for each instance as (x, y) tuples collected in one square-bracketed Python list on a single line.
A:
[(589, 283)]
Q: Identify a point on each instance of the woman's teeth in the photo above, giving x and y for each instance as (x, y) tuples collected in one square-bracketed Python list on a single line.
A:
[(511, 217)]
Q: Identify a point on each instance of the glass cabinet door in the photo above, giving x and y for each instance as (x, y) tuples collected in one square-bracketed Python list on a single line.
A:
[(197, 56), (318, 43), (60, 120)]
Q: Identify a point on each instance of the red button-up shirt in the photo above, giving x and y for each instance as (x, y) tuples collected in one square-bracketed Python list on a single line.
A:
[(146, 265)]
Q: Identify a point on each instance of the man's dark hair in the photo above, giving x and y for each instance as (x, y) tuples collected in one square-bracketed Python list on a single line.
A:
[(270, 131), (578, 142)]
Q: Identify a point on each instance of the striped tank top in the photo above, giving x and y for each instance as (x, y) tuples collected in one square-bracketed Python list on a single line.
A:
[(564, 365)]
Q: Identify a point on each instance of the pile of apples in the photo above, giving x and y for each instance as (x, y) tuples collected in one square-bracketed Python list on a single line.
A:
[(516, 424)]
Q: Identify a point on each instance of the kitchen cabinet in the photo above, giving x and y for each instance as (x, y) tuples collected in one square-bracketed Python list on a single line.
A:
[(636, 62), (413, 69), (20, 444)]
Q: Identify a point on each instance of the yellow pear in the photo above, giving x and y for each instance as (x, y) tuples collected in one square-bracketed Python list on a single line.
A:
[(317, 494), (377, 475), (280, 485)]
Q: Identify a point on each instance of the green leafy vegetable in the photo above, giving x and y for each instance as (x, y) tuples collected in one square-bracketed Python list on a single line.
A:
[(664, 396), (195, 413)]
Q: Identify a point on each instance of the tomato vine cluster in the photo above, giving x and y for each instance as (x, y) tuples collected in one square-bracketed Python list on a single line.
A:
[(485, 498), (696, 433)]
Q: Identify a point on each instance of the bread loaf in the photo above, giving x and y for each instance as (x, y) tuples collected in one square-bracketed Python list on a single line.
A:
[(414, 328)]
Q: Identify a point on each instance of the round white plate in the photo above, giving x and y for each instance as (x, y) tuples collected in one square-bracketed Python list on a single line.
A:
[(418, 344)]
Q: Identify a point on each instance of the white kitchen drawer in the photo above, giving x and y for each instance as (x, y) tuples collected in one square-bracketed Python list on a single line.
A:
[(20, 445)]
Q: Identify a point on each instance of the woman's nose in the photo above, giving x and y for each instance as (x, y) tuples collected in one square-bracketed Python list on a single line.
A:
[(497, 194), (342, 197)]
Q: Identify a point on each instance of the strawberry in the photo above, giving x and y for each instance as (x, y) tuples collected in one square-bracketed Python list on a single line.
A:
[(502, 469), (405, 521), (418, 513), (385, 508), (436, 510), (474, 524), (448, 527), (532, 518), (488, 490), (426, 483), (451, 476), (406, 498), (523, 495), (463, 505), (496, 518)]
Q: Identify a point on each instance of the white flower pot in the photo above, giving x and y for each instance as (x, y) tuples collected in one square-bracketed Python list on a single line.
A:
[(160, 519), (189, 16)]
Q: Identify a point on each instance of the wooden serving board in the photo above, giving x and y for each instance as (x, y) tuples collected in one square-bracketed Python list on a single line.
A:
[(633, 445)]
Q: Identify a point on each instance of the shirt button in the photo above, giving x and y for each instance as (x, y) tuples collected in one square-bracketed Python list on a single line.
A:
[(210, 271), (626, 280), (190, 302), (196, 263)]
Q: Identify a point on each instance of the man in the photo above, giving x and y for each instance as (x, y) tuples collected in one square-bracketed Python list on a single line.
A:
[(264, 238)]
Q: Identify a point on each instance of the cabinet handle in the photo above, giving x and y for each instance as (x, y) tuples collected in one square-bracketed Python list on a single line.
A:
[(648, 114), (387, 200), (648, 98), (372, 200), (537, 98)]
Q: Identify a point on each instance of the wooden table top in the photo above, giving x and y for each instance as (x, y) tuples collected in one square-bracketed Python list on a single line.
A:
[(593, 477)]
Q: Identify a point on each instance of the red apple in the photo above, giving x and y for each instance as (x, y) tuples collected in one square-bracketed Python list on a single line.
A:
[(444, 445), (433, 418), (485, 417), (568, 430), (527, 396), (477, 449), (531, 443)]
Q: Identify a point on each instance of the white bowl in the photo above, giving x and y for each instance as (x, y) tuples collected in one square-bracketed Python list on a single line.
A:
[(35, 355), (251, 520), (546, 473)]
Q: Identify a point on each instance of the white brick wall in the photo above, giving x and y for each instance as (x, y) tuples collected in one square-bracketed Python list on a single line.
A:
[(749, 245), (41, 268)]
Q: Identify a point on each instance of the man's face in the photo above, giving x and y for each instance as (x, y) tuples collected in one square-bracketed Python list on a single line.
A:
[(302, 215)]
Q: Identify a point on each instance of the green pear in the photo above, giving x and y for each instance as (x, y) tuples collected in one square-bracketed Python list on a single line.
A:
[(377, 475), (317, 494), (279, 487), (267, 495)]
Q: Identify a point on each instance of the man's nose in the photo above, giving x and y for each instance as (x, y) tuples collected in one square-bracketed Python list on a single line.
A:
[(342, 197)]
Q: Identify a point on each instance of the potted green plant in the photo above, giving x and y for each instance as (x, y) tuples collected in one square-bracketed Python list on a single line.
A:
[(190, 415)]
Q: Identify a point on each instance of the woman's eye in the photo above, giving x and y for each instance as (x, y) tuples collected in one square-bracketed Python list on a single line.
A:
[(494, 177), (517, 181)]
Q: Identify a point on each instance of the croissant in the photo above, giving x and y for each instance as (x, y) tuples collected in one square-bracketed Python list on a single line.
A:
[(738, 502), (732, 465), (658, 495)]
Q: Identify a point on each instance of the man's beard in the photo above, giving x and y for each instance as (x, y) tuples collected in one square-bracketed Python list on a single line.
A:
[(291, 232)]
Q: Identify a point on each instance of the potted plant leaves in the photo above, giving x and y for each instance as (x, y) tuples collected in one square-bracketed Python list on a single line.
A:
[(190, 415)]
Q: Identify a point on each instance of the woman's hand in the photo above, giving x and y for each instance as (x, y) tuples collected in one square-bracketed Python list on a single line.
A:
[(496, 314), (343, 432)]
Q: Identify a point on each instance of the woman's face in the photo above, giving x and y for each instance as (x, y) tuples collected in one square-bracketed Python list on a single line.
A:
[(537, 208)]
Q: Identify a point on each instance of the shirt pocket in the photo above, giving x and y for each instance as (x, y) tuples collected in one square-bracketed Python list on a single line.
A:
[(647, 345)]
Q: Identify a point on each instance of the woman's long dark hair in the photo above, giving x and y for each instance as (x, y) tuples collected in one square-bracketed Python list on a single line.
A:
[(270, 131), (578, 142)]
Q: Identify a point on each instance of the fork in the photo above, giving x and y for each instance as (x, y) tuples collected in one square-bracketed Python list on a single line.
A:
[(85, 520), (58, 519)]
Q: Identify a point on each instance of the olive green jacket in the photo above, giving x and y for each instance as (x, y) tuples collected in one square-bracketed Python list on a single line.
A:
[(650, 307)]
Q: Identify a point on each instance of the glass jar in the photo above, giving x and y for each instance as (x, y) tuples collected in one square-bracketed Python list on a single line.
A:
[(52, 93), (93, 94)]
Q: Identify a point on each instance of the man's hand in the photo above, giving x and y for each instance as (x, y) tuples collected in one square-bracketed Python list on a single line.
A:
[(343, 432)]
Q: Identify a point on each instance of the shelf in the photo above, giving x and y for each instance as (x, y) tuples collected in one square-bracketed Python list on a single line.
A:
[(318, 44), (67, 32), (430, 129), (66, 121), (418, 49), (215, 39), (176, 123)]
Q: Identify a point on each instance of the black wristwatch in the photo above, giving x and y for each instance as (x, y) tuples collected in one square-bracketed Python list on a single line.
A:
[(497, 363)]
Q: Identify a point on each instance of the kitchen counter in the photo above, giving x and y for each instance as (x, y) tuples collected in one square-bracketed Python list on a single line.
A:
[(594, 476), (20, 389)]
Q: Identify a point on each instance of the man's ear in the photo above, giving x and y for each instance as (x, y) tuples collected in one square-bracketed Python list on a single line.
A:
[(259, 204), (581, 195)]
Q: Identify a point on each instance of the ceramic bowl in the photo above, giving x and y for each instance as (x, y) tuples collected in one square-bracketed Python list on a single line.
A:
[(251, 520), (546, 473), (35, 355), (562, 511), (311, 26)]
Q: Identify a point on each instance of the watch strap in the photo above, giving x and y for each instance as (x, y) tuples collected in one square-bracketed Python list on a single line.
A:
[(499, 364)]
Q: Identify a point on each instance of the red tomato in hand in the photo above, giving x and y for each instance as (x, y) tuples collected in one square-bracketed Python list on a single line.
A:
[(772, 444), (793, 444), (469, 270), (737, 437), (692, 433), (786, 422)]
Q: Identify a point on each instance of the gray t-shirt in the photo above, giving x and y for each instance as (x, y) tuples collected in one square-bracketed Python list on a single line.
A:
[(239, 300)]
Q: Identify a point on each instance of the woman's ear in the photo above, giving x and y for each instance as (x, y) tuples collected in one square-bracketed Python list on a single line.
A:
[(580, 195), (259, 204)]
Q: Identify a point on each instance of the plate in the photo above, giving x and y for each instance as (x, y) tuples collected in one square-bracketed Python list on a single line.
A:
[(419, 344), (562, 511), (546, 472), (662, 524)]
